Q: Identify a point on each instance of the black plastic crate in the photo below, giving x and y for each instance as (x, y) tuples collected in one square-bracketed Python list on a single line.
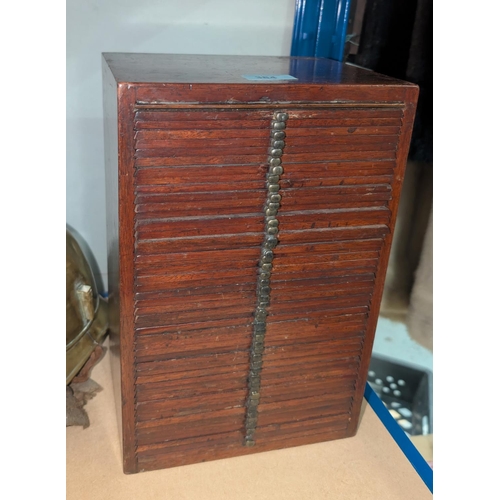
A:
[(406, 391)]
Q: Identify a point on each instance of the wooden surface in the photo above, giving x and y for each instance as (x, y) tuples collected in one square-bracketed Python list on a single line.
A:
[(120, 237), (189, 68), (367, 466), (192, 238)]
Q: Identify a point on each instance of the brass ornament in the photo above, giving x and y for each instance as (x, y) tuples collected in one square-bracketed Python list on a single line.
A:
[(271, 229)]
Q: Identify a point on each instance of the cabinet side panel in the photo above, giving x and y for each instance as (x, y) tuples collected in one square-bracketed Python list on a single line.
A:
[(118, 134), (126, 103), (110, 106), (401, 158)]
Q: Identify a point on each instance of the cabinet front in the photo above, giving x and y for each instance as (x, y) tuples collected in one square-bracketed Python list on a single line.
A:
[(257, 241)]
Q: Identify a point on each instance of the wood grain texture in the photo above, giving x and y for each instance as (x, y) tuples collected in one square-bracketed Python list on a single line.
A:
[(187, 154), (118, 105), (402, 155)]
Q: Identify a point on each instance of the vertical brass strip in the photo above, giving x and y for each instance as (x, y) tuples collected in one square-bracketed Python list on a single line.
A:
[(277, 143)]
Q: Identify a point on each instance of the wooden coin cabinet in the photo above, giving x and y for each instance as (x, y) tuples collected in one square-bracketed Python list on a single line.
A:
[(251, 203)]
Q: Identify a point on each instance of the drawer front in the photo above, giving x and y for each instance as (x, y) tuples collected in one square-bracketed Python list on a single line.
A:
[(336, 186), (200, 188), (249, 333)]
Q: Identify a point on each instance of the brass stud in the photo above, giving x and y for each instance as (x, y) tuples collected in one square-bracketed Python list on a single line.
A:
[(273, 205), (270, 242), (276, 152)]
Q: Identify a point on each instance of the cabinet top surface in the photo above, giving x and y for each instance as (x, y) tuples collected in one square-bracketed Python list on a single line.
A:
[(177, 68)]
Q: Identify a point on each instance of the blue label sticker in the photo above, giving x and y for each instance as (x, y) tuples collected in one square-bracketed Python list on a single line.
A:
[(268, 78)]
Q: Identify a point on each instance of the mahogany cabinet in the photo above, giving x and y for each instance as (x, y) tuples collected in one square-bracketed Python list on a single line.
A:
[(251, 203)]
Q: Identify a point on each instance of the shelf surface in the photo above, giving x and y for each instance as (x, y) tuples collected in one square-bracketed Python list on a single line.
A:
[(367, 466)]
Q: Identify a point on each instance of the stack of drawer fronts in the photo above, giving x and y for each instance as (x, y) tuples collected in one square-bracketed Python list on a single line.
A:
[(259, 243)]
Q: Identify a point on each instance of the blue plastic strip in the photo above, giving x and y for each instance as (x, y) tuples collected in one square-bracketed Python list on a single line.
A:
[(305, 29), (320, 28), (407, 447), (340, 32), (326, 29)]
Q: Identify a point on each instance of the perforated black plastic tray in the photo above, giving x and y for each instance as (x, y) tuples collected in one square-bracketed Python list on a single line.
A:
[(406, 391)]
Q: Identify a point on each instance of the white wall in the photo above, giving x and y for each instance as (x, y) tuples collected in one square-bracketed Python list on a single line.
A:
[(253, 27)]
